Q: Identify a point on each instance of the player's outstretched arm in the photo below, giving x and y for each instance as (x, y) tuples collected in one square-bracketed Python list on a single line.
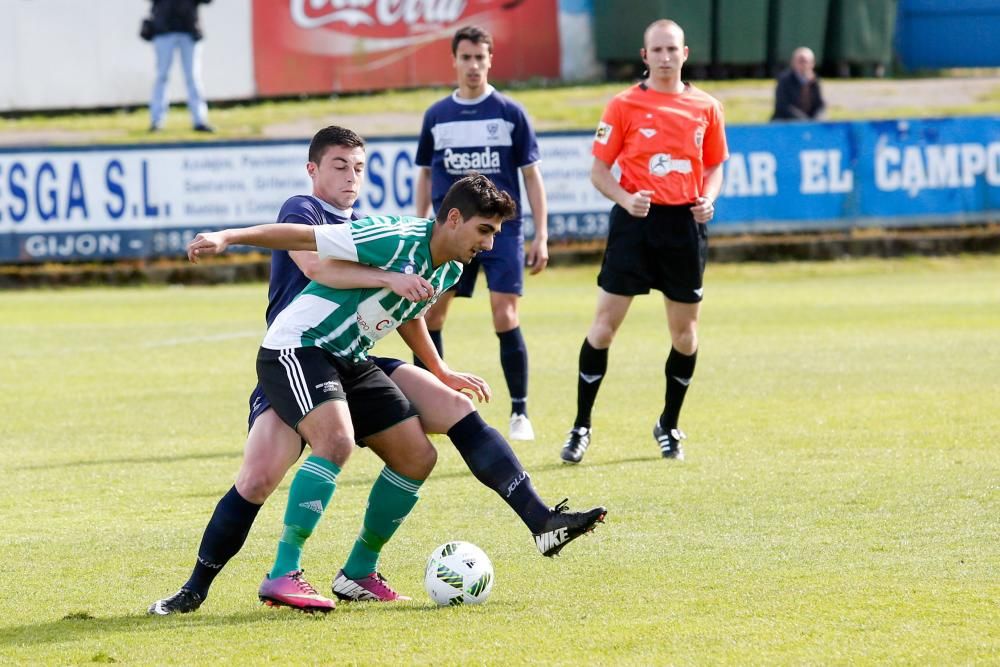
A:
[(274, 236), (344, 274)]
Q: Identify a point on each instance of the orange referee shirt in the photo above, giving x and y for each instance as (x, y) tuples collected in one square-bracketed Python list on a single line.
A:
[(662, 141)]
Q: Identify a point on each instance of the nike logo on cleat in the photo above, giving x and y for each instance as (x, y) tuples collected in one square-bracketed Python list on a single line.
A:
[(551, 539)]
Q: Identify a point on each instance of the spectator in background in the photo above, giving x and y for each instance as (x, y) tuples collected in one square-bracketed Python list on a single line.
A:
[(176, 28), (798, 95)]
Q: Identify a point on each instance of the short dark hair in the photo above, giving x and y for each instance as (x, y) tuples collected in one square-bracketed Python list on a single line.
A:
[(474, 34), (476, 195), (333, 135)]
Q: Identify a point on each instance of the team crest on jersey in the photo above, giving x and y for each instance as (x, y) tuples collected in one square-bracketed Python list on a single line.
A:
[(699, 135), (409, 268), (603, 133), (491, 129)]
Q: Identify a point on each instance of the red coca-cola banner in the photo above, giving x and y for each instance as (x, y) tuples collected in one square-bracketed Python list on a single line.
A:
[(319, 46)]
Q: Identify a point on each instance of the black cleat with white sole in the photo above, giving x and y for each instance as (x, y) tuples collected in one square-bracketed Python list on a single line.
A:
[(183, 601), (576, 445), (669, 441), (563, 527)]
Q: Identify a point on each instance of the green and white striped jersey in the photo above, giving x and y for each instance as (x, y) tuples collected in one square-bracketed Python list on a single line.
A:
[(347, 322)]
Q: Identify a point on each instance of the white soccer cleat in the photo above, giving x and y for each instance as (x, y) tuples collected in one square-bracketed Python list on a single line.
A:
[(520, 428)]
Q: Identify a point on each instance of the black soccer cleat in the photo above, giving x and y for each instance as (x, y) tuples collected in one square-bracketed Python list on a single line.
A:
[(563, 527), (183, 601), (576, 444), (669, 441)]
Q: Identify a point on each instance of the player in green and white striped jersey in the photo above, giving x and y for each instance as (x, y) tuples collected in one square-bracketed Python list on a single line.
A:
[(395, 244), (313, 367), (347, 323)]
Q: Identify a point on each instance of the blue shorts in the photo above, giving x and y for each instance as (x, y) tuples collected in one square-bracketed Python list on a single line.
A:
[(504, 265), (259, 403)]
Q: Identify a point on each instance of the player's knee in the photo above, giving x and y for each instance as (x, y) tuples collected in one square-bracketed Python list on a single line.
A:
[(685, 340), (424, 461), (455, 408), (256, 484), (601, 334), (333, 447)]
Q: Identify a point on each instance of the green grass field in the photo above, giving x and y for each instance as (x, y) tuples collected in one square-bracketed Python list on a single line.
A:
[(840, 502)]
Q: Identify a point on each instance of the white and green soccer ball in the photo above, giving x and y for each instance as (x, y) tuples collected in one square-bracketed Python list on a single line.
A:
[(458, 573)]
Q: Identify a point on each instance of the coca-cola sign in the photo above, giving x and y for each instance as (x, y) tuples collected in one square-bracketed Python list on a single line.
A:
[(385, 13), (316, 46)]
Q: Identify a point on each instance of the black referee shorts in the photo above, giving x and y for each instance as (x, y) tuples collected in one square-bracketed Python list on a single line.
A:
[(666, 250), (296, 380)]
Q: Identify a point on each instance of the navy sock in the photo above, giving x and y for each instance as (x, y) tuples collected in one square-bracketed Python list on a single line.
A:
[(494, 463), (593, 366), (224, 536), (514, 360), (679, 370), (438, 345)]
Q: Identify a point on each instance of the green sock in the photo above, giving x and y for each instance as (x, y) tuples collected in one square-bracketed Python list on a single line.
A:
[(312, 488), (390, 501)]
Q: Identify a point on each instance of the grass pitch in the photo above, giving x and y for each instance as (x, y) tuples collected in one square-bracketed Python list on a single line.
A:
[(840, 501)]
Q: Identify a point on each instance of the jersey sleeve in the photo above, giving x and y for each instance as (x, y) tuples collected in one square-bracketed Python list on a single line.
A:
[(714, 149), (337, 241), (300, 210), (425, 144), (525, 142), (610, 135)]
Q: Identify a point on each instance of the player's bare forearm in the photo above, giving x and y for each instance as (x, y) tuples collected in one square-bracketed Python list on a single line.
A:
[(712, 182), (606, 183), (534, 186), (704, 206), (414, 334), (344, 274), (274, 236)]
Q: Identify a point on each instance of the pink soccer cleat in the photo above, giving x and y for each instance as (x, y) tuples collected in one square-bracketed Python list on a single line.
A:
[(372, 587), (292, 590)]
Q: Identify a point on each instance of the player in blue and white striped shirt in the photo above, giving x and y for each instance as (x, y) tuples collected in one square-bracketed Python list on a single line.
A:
[(478, 129)]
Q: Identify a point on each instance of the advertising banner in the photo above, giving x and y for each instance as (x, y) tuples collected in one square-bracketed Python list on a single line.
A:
[(117, 202), (322, 46)]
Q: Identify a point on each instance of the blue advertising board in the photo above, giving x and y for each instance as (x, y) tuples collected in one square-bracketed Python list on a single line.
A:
[(120, 202)]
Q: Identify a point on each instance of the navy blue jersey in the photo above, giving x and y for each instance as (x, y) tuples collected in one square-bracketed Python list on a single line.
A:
[(490, 135), (287, 280)]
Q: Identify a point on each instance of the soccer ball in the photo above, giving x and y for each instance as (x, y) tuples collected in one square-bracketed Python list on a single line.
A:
[(458, 573)]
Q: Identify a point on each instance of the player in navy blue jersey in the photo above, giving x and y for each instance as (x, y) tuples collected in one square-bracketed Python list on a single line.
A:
[(478, 129), (336, 166)]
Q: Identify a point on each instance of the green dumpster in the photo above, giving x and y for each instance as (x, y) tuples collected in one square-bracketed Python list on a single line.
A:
[(741, 32), (618, 27), (795, 23), (861, 32)]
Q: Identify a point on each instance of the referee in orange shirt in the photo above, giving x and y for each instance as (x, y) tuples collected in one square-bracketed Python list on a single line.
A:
[(669, 141)]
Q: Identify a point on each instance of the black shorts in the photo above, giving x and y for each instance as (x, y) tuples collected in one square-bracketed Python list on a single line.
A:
[(666, 250), (296, 380), (259, 403)]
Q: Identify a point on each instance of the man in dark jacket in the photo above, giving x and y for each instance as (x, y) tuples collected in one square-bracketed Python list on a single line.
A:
[(798, 95), (176, 28)]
